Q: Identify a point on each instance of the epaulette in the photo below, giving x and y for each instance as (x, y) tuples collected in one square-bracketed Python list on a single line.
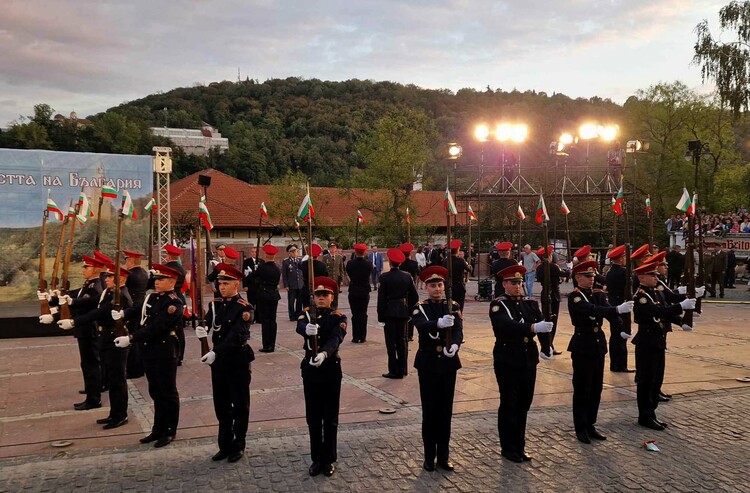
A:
[(217, 299), (174, 296), (307, 309), (422, 302), (599, 291), (455, 303), (576, 290), (243, 302)]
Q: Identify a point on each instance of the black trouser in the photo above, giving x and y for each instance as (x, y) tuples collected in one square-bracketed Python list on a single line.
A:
[(358, 304), (395, 344), (115, 359), (516, 393), (322, 415), (673, 278), (649, 375), (545, 340), (717, 278), (230, 380), (618, 347), (180, 332), (92, 375), (294, 298), (436, 391), (588, 377), (459, 296), (266, 314), (729, 277), (162, 387)]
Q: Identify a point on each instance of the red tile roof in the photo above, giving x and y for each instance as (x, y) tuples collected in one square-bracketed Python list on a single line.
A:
[(234, 203)]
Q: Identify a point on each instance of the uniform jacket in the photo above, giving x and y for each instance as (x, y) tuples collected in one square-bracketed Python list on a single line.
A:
[(719, 261), (396, 288), (253, 264), (376, 259), (359, 270), (266, 279), (230, 319), (137, 284), (159, 317), (616, 277), (335, 266), (587, 310), (410, 266), (102, 315), (555, 273), (331, 332), (459, 268), (653, 314), (85, 299), (291, 274), (319, 269), (512, 319), (430, 357)]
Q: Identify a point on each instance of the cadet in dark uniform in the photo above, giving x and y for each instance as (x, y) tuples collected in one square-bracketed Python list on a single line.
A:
[(83, 300), (652, 314), (359, 270), (411, 267), (159, 315), (173, 257), (555, 273), (137, 285), (228, 256), (248, 267), (292, 280), (588, 346), (321, 374), (319, 270), (396, 294), (583, 254), (115, 358), (504, 260), (267, 277), (515, 322), (458, 288), (437, 363), (619, 331), (639, 256), (230, 318)]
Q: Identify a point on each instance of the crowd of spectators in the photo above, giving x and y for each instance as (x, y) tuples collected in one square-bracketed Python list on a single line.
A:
[(717, 224)]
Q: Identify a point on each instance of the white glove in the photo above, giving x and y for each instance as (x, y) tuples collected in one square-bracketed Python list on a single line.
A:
[(688, 304), (446, 321), (65, 300), (700, 291), (122, 341), (311, 329), (686, 327), (209, 358), (318, 359), (569, 266), (65, 324), (247, 271), (55, 293), (626, 307), (452, 351), (46, 319), (42, 295), (152, 272), (117, 315), (53, 310), (201, 332), (625, 335), (543, 327), (682, 289)]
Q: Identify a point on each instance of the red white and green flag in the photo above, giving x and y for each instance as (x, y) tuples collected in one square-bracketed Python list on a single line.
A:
[(306, 210), (617, 202), (448, 205), (541, 211), (648, 206), (151, 205), (204, 215), (263, 210), (53, 208), (408, 217), (520, 213), (127, 205), (564, 207), (694, 205), (71, 211), (109, 192), (84, 209), (685, 204), (360, 217), (471, 214)]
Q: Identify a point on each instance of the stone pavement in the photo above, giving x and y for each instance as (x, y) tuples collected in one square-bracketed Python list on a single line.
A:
[(39, 379)]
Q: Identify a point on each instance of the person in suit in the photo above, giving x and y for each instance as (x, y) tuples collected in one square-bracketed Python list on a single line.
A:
[(323, 330), (158, 321), (137, 284), (396, 295), (588, 345), (266, 277), (676, 261), (437, 362), (319, 270), (719, 262), (376, 259), (359, 270), (249, 265), (515, 321), (293, 282)]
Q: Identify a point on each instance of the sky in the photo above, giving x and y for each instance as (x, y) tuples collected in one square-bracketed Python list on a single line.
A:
[(89, 55)]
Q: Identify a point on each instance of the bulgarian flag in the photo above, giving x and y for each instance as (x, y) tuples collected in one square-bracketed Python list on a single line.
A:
[(470, 213), (204, 215), (306, 210), (648, 206), (71, 211), (520, 213), (448, 205), (127, 205), (617, 202), (109, 192), (694, 205), (408, 217), (151, 205), (564, 207), (84, 209), (541, 211), (263, 210), (52, 207), (360, 217), (685, 204)]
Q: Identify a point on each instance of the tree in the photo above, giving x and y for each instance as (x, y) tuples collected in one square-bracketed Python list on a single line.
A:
[(727, 63)]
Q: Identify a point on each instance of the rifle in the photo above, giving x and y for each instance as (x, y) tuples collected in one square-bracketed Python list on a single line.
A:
[(198, 302), (99, 221), (65, 282), (42, 288), (311, 284), (449, 283), (120, 329), (59, 254), (701, 270), (627, 294), (257, 243), (689, 277)]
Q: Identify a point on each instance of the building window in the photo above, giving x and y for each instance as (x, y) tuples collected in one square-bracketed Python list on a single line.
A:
[(224, 234)]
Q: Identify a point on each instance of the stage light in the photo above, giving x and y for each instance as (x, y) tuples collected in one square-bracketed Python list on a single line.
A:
[(565, 139), (608, 133), (481, 132), (519, 133), (504, 132), (588, 131), (454, 151)]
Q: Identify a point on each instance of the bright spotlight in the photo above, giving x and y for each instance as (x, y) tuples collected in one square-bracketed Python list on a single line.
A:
[(588, 131), (482, 132), (454, 151), (608, 133), (519, 133), (566, 139), (504, 132)]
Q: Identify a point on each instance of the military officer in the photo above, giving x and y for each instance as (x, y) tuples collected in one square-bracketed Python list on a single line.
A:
[(409, 265), (515, 322), (458, 288), (359, 271), (503, 261), (440, 335), (588, 346), (173, 261), (227, 255), (323, 330), (292, 280), (266, 277), (335, 266), (653, 315), (396, 294), (555, 273), (137, 284), (619, 331), (319, 270), (230, 318), (583, 254), (159, 315), (249, 265)]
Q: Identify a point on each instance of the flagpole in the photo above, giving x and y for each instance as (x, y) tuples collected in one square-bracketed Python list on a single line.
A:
[(701, 273), (257, 245), (311, 280), (150, 237), (98, 221), (408, 226), (356, 231), (626, 218), (449, 284), (59, 253), (198, 282), (520, 238), (42, 288), (650, 224)]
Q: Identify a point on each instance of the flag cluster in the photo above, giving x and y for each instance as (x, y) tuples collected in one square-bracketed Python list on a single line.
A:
[(541, 211)]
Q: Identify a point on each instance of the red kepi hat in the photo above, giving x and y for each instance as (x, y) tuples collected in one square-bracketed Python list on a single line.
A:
[(172, 250)]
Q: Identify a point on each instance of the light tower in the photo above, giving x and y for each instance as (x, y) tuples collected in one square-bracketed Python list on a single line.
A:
[(162, 170)]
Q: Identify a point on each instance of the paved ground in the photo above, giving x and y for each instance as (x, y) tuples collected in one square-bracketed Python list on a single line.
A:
[(704, 449)]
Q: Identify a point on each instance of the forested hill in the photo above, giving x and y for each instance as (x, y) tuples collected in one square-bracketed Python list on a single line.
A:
[(312, 125)]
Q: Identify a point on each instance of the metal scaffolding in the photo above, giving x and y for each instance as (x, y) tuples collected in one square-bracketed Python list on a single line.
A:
[(162, 170)]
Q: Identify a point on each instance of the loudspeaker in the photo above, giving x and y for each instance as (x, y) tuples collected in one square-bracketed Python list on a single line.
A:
[(204, 180)]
